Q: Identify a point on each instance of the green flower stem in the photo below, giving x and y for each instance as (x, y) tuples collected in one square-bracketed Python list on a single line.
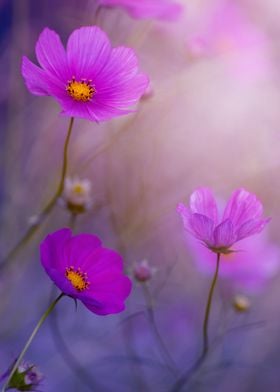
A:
[(208, 307), (49, 206), (205, 347), (29, 341)]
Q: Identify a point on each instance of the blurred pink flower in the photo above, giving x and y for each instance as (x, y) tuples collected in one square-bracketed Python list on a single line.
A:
[(247, 270), (242, 218), (148, 9), (143, 271), (90, 79), (225, 29), (84, 270)]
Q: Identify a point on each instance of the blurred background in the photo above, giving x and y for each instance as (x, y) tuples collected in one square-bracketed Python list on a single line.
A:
[(211, 118)]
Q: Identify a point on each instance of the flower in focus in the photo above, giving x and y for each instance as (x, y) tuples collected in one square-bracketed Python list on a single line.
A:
[(143, 272), (242, 218), (26, 377), (77, 195), (169, 10), (247, 270), (85, 270), (89, 79)]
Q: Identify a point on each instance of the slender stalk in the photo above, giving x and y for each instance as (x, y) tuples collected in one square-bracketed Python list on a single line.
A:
[(86, 378), (161, 344), (208, 307), (48, 207), (29, 341), (205, 347)]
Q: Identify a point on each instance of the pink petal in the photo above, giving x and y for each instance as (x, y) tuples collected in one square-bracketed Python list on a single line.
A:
[(107, 294), (202, 227), (185, 215), (242, 206), (119, 85), (102, 261), (34, 77), (88, 51), (224, 234), (202, 202), (79, 248), (51, 54), (52, 250), (251, 227)]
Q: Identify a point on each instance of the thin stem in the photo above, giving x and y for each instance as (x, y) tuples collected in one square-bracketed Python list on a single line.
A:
[(68, 357), (29, 341), (72, 221), (208, 307), (161, 344), (205, 348), (49, 206)]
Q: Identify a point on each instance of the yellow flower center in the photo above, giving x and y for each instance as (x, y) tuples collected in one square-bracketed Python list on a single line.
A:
[(80, 91), (79, 189), (78, 278)]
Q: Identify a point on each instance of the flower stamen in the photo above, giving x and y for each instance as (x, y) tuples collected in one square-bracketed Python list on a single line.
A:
[(78, 278), (80, 90)]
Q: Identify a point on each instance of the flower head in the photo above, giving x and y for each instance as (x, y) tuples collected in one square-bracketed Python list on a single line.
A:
[(148, 9), (26, 378), (242, 218), (77, 195), (89, 79), (85, 270)]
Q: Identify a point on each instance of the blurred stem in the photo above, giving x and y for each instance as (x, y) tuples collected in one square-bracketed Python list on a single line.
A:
[(161, 344), (205, 348), (70, 360), (29, 341), (49, 206), (72, 221)]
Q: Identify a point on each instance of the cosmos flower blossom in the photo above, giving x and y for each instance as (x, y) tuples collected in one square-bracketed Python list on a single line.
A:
[(77, 195), (168, 10), (83, 269), (242, 218), (89, 79)]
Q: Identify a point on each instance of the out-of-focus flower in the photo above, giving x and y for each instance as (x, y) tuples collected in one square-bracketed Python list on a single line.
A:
[(247, 270), (77, 195), (26, 378), (90, 79), (168, 10), (242, 218), (84, 270), (241, 303), (143, 271), (224, 29)]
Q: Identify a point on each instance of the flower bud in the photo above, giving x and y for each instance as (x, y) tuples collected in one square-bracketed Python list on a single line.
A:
[(241, 303)]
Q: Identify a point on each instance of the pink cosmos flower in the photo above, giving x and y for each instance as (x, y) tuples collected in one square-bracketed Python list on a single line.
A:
[(242, 218), (84, 270), (148, 9), (89, 79)]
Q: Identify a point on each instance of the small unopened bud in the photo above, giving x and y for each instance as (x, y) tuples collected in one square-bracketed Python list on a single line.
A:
[(25, 378), (143, 272), (241, 303), (77, 195)]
